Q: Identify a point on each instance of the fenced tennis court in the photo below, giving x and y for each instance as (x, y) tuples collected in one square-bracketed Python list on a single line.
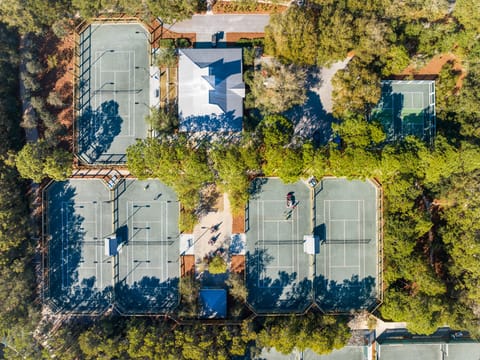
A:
[(141, 275), (313, 244), (277, 266), (148, 262), (407, 108), (113, 88), (346, 225), (79, 217)]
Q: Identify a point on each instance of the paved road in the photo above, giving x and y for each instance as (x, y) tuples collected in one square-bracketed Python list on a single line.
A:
[(209, 24)]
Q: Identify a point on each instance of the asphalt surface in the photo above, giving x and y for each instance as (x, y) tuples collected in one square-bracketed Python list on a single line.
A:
[(210, 24)]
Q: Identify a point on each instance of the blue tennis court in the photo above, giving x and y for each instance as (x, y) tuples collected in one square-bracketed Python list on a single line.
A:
[(277, 266), (347, 265), (139, 273), (113, 91)]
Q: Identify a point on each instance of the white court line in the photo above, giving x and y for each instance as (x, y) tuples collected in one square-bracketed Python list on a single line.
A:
[(279, 266), (361, 223), (364, 245), (63, 262), (163, 248)]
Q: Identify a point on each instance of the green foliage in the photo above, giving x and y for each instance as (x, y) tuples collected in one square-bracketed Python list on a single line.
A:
[(292, 36), (320, 333), (336, 34), (396, 60), (356, 89), (217, 265), (33, 15), (183, 43), (359, 133), (277, 87), (445, 88), (172, 11), (236, 287), (468, 14), (18, 310), (174, 162), (233, 164), (166, 57), (37, 161), (163, 120), (166, 43), (189, 291)]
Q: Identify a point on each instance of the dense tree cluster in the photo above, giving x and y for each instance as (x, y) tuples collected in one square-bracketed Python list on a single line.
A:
[(431, 202), (121, 338), (37, 15), (17, 310)]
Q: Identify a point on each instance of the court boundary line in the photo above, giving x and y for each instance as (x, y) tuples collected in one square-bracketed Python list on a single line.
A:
[(261, 244), (130, 253)]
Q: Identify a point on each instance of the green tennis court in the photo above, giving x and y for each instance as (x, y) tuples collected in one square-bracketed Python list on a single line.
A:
[(79, 217), (148, 262), (346, 226), (277, 266), (113, 88), (141, 275), (407, 108)]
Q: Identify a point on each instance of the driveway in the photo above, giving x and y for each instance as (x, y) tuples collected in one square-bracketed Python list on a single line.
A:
[(210, 24)]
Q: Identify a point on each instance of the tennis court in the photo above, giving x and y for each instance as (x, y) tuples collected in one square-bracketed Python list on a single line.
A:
[(113, 90), (407, 108), (141, 275), (79, 217), (148, 270), (346, 225), (278, 217)]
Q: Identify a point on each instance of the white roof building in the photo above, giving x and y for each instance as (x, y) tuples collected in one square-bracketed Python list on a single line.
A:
[(210, 90)]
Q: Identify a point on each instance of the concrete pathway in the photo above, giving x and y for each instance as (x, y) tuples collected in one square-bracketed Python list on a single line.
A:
[(210, 24), (208, 240), (325, 89)]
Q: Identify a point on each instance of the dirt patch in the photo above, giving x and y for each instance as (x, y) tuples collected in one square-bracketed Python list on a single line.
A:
[(187, 265), (237, 263), (431, 70), (234, 37), (58, 57), (232, 7), (238, 224)]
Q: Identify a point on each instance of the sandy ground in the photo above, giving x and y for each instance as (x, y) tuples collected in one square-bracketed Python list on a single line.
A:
[(203, 234)]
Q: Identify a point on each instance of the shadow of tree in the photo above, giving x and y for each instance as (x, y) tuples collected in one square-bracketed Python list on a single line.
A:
[(224, 123), (311, 120), (65, 245), (285, 294), (148, 295), (351, 294), (256, 187), (96, 131)]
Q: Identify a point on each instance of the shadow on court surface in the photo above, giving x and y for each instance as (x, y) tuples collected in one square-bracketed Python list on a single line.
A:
[(285, 294), (256, 187), (65, 290), (351, 294), (97, 128), (148, 295)]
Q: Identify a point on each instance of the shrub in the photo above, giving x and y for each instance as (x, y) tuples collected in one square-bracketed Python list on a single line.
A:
[(54, 99), (217, 265), (167, 57), (166, 43), (183, 43)]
